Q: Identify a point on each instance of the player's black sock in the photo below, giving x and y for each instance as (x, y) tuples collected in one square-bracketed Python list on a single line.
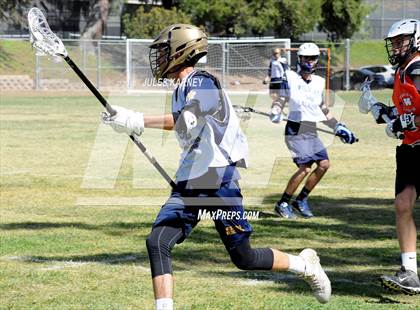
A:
[(285, 198), (303, 194)]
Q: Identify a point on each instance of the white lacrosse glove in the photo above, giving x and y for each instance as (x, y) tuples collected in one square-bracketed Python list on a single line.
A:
[(391, 133), (125, 121), (345, 134), (395, 129), (276, 116)]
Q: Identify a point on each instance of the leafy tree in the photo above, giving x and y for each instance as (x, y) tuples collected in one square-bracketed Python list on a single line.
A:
[(342, 18), (286, 18), (97, 16), (296, 17), (258, 17), (148, 24), (220, 17), (12, 10), (231, 17)]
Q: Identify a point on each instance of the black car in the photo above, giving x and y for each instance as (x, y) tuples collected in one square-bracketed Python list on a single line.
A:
[(357, 77)]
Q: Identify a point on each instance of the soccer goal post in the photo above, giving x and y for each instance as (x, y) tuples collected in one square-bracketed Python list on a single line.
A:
[(239, 64)]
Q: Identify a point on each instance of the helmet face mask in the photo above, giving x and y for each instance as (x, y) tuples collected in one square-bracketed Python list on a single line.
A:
[(176, 47), (308, 57), (159, 59), (308, 64), (398, 48), (402, 41)]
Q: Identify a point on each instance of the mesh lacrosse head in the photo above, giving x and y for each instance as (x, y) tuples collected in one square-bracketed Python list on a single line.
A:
[(42, 38), (367, 100), (242, 113)]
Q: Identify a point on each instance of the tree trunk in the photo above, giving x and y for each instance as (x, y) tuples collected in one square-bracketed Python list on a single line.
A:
[(96, 19)]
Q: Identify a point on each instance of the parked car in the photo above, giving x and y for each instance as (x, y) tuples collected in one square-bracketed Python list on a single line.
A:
[(357, 77), (385, 70)]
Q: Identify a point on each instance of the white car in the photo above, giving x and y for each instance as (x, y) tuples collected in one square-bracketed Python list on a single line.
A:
[(384, 70)]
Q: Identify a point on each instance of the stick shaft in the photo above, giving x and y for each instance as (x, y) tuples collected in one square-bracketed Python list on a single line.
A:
[(111, 111), (285, 119)]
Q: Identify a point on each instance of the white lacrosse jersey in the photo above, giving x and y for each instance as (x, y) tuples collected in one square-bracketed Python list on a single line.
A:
[(276, 69), (306, 97), (217, 140)]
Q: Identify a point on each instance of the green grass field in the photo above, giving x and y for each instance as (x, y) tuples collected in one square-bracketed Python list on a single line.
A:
[(77, 202)]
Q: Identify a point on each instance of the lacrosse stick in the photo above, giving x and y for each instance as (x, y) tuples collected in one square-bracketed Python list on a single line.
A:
[(47, 43), (367, 100), (240, 110)]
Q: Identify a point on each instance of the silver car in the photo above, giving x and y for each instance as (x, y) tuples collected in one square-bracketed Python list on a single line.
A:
[(384, 70)]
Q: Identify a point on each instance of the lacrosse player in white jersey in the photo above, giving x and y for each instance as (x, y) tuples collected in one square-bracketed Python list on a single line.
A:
[(276, 76), (213, 146), (305, 97)]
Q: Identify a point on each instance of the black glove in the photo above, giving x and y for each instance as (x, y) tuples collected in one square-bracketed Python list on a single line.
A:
[(379, 109), (404, 122)]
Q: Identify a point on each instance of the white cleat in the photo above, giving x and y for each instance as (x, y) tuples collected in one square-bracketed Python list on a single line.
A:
[(315, 276)]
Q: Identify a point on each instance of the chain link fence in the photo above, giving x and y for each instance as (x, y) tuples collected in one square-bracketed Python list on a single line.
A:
[(124, 64), (236, 63)]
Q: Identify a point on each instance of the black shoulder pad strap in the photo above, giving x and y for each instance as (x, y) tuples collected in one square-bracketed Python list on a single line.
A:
[(413, 70), (222, 110), (210, 76)]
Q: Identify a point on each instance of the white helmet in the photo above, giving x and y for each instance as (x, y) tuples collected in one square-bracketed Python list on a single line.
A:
[(408, 27), (308, 50)]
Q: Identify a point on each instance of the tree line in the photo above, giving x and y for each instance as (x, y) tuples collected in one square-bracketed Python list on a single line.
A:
[(339, 19), (227, 18)]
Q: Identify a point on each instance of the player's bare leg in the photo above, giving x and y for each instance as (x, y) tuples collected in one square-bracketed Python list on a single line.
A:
[(274, 96), (163, 286), (283, 208), (317, 174), (281, 261), (297, 178), (405, 280), (406, 228), (301, 202), (163, 290)]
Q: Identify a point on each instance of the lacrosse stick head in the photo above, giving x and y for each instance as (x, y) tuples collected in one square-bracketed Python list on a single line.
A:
[(243, 113), (367, 100), (42, 38)]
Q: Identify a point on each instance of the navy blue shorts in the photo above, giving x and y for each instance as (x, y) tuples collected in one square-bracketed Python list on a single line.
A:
[(306, 148), (183, 211), (279, 86)]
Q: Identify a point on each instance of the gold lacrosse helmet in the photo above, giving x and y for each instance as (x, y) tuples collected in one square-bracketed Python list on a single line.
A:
[(177, 46)]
